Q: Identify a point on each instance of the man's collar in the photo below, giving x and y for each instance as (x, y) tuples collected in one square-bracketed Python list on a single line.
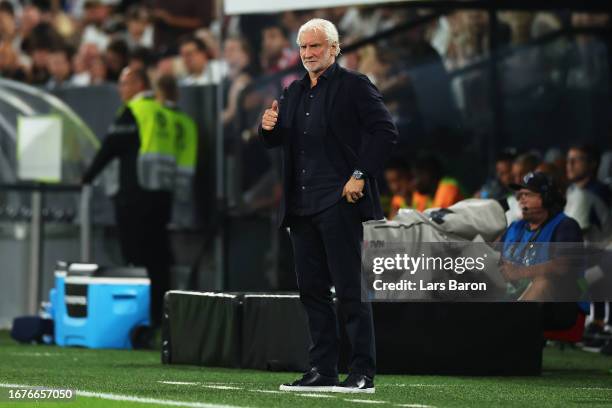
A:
[(327, 74)]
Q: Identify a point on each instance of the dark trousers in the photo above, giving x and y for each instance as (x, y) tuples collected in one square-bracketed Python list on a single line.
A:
[(327, 251), (144, 241), (599, 311)]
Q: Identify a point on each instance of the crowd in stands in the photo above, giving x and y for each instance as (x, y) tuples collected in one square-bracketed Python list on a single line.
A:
[(57, 43)]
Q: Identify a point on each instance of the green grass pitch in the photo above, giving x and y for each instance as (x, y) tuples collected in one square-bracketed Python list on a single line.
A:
[(115, 378)]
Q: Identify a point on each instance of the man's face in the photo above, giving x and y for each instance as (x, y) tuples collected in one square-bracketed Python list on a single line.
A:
[(7, 25), (503, 170), (274, 42), (530, 203), (577, 166), (58, 66), (136, 27), (518, 172), (234, 54), (399, 182), (129, 85), (96, 13), (195, 60), (315, 51)]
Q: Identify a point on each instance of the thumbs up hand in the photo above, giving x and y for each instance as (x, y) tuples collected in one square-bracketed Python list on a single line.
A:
[(270, 117)]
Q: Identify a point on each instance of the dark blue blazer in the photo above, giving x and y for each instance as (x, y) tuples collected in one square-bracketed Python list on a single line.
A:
[(359, 134)]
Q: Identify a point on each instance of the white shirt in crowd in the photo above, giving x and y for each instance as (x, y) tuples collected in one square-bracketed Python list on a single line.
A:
[(591, 213), (95, 35), (213, 74)]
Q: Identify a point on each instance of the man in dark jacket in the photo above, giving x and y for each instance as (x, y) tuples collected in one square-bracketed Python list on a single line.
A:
[(335, 134)]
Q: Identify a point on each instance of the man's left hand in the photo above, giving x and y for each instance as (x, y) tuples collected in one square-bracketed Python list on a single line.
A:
[(353, 190)]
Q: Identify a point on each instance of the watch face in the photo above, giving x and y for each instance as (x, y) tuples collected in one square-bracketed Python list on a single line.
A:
[(357, 174)]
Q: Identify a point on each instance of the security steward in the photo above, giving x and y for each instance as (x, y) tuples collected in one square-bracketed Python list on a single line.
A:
[(140, 181), (186, 148)]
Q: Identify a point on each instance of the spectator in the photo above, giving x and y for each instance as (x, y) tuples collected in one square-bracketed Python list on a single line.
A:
[(8, 25), (178, 18), (116, 57), (589, 203), (39, 42), (276, 53), (195, 57), (31, 17), (59, 67), (432, 188), (97, 14), (98, 71), (588, 199), (9, 63), (213, 47), (556, 157), (80, 76), (39, 73), (237, 55), (400, 181), (498, 188), (139, 29), (82, 63)]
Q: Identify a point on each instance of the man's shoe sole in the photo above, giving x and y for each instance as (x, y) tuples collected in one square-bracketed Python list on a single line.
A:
[(349, 390), (327, 388)]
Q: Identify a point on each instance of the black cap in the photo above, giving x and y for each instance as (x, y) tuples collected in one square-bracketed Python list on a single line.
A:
[(537, 182)]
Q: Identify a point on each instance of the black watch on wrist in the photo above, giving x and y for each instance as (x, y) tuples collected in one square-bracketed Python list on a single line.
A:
[(358, 175)]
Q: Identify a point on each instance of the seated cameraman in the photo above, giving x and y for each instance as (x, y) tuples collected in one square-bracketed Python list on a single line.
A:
[(535, 269)]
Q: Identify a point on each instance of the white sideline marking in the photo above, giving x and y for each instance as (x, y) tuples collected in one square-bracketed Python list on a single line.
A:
[(222, 387), (142, 400), (420, 385), (414, 406), (310, 394), (594, 388), (34, 354), (178, 383), (269, 391), (366, 401)]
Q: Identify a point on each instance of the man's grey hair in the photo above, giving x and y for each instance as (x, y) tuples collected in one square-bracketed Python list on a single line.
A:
[(326, 27)]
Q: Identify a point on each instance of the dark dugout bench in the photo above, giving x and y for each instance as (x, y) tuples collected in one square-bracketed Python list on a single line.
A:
[(269, 332)]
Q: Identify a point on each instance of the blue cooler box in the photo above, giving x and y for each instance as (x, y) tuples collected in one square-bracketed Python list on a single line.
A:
[(99, 307)]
